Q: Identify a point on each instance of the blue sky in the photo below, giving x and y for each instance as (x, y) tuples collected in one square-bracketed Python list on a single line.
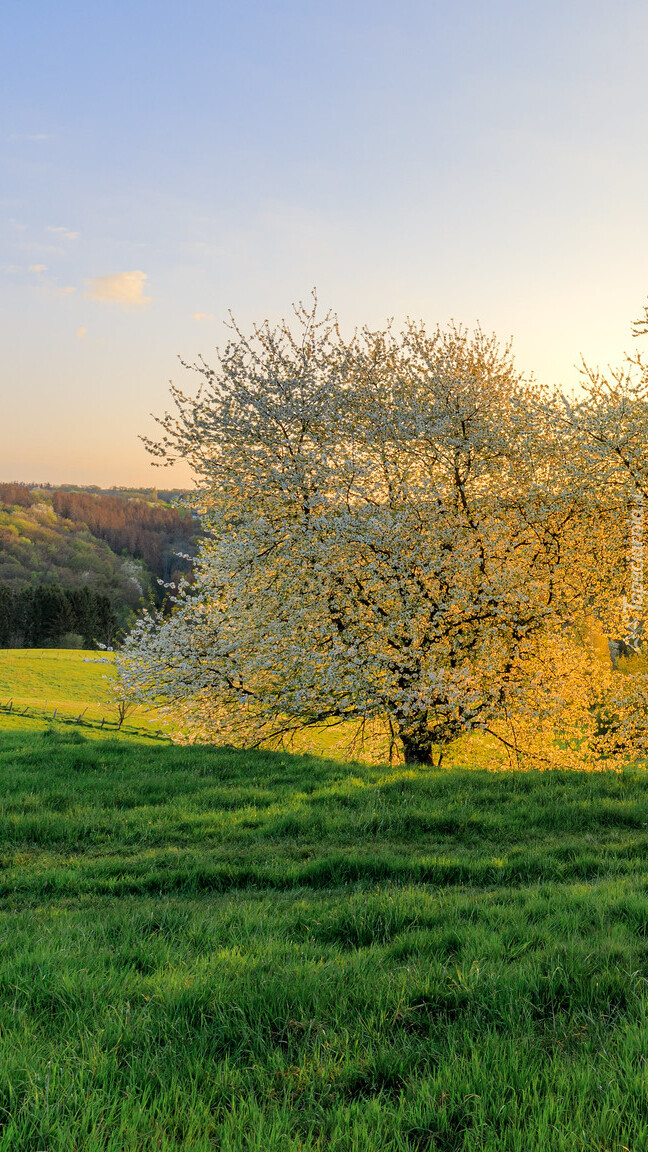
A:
[(164, 163)]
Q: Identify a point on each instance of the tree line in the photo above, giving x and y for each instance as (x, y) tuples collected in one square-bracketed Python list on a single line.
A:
[(49, 616), (126, 548), (18, 494), (151, 532)]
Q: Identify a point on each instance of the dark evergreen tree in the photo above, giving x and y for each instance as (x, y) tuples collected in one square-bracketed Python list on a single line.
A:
[(51, 616), (42, 616), (7, 615)]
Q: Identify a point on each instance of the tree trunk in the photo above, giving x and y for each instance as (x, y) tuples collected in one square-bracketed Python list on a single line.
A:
[(418, 749)]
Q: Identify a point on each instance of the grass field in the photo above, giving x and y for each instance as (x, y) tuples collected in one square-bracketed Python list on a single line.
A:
[(212, 949), (62, 686), (45, 684)]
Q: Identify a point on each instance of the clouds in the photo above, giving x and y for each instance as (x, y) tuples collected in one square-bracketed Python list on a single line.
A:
[(125, 289), (48, 283), (201, 316), (64, 232), (30, 137)]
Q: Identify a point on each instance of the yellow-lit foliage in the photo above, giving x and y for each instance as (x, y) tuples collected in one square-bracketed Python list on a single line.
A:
[(402, 530)]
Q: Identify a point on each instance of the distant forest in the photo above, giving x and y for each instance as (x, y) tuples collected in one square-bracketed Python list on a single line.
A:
[(51, 616), (154, 533), (76, 564)]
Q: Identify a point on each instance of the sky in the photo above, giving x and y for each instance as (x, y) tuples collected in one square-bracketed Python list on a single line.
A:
[(164, 163)]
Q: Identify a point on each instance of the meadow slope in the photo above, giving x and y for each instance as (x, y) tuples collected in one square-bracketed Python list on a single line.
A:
[(39, 686), (213, 949)]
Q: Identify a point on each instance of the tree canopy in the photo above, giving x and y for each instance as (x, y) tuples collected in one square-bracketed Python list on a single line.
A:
[(403, 531)]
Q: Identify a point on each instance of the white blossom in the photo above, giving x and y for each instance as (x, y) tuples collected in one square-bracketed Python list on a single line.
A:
[(401, 529)]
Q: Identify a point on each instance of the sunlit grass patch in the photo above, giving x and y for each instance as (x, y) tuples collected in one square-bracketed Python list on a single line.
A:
[(41, 687)]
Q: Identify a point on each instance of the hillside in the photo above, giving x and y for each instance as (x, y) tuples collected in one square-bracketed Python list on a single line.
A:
[(39, 547), (206, 948), (117, 546), (39, 687)]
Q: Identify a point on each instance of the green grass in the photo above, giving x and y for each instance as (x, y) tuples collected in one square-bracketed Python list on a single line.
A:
[(211, 949), (61, 685), (46, 683)]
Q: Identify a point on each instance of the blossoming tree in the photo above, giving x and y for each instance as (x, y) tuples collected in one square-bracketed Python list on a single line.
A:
[(401, 531)]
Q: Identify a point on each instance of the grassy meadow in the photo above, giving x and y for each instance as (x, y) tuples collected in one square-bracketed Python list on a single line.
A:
[(212, 949), (41, 686)]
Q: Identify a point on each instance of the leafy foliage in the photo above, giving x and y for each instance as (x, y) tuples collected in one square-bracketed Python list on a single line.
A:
[(18, 494), (38, 547), (149, 531), (97, 556), (46, 615)]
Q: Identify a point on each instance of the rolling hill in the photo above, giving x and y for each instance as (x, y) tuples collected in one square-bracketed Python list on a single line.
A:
[(116, 545)]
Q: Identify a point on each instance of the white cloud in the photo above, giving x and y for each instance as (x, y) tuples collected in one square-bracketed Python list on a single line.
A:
[(81, 333), (48, 284), (64, 232), (33, 136), (201, 316), (123, 288)]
